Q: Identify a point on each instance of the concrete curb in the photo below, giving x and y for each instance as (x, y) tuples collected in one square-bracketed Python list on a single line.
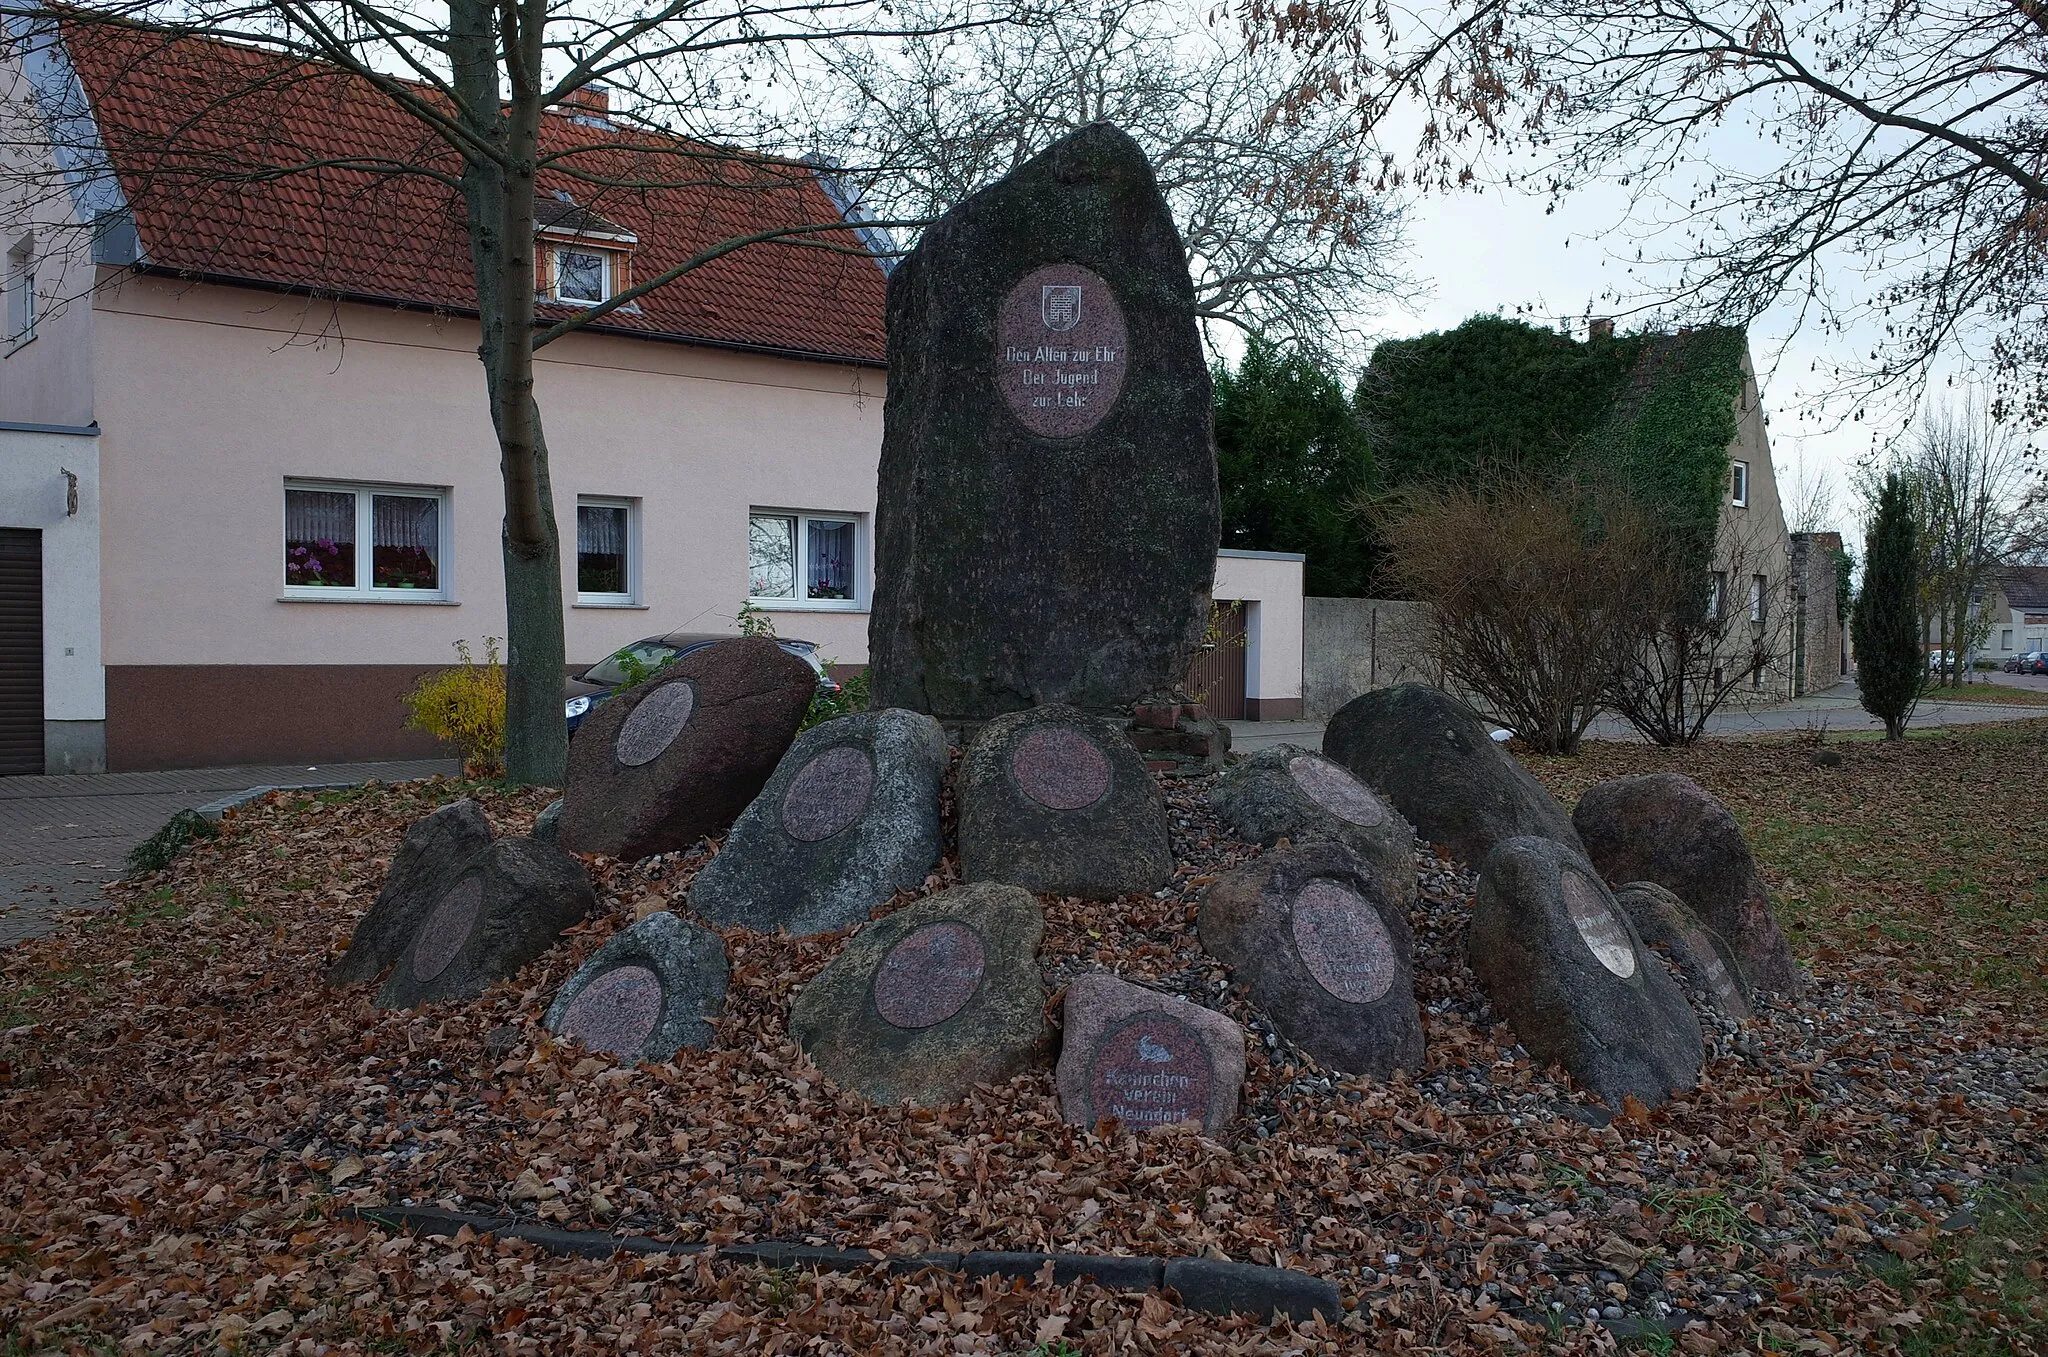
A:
[(212, 811), (1204, 1284)]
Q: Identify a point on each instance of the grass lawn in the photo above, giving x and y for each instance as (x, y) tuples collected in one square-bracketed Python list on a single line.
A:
[(2003, 694)]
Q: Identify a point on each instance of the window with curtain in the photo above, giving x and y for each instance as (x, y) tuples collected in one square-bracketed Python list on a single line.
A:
[(604, 569), (811, 559), (325, 525)]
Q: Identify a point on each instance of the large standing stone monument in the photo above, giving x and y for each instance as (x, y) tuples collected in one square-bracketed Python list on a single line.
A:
[(850, 818), (1048, 510)]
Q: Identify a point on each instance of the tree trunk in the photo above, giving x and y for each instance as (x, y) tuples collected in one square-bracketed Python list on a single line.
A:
[(498, 193)]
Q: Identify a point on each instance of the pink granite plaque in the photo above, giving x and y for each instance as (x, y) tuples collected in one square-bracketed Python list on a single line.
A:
[(828, 795), (929, 976), (650, 728), (1602, 932), (616, 1012), (447, 928), (1336, 791), (1343, 942), (1061, 350), (1152, 1071), (1060, 769), (1723, 984)]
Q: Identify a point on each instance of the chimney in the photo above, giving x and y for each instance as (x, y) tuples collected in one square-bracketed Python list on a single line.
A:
[(592, 101), (1602, 328)]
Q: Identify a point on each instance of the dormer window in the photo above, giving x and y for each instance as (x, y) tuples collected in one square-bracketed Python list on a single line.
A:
[(582, 276), (584, 259)]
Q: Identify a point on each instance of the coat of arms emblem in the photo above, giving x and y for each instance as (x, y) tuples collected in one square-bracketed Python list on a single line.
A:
[(1060, 305)]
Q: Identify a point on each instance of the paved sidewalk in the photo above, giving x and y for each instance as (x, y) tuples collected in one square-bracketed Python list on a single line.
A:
[(1835, 710), (63, 838)]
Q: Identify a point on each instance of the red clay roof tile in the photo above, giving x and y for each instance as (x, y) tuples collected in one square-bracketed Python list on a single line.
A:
[(240, 164)]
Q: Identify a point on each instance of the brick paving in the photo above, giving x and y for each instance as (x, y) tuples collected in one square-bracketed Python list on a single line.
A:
[(63, 838)]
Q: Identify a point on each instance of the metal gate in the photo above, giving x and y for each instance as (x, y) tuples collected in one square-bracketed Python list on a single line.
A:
[(1216, 672), (21, 650)]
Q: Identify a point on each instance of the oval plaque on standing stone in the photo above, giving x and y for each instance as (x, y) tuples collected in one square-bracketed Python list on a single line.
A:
[(447, 928), (1061, 350), (653, 725), (1598, 926), (1060, 769), (1343, 943), (616, 1012), (828, 795), (929, 976), (1336, 791), (1152, 1071)]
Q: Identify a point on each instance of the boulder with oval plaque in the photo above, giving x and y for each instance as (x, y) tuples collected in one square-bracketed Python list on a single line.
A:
[(1287, 792), (662, 764), (1313, 935), (1048, 511), (436, 848), (1146, 1059), (1709, 966), (1060, 803), (925, 1003), (507, 905), (1565, 968), (850, 817), (646, 993)]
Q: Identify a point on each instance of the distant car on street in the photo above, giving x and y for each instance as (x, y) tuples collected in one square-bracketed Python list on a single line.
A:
[(597, 683), (2033, 662), (1941, 661)]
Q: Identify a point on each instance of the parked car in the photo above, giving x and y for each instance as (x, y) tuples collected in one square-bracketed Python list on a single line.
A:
[(2033, 662), (1941, 661), (2012, 664), (591, 687)]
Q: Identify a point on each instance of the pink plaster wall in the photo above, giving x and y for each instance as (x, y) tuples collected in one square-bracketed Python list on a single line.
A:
[(210, 396)]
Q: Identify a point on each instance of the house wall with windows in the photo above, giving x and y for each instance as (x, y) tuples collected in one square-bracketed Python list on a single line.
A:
[(242, 426), (1753, 555)]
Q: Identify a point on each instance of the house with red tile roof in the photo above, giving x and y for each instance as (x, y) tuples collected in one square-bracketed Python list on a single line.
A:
[(265, 388), (249, 489)]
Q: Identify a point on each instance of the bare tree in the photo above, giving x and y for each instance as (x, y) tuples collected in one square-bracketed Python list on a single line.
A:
[(1811, 507), (1287, 215), (1705, 635), (1534, 589), (473, 80), (1965, 474), (1882, 167)]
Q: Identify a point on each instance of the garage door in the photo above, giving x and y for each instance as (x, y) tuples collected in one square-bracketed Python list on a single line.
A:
[(21, 650)]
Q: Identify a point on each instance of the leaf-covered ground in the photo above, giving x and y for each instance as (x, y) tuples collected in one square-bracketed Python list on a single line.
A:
[(186, 1110)]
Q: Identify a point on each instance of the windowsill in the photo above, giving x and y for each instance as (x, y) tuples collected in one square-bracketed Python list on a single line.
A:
[(16, 346), (809, 605), (398, 598), (626, 603)]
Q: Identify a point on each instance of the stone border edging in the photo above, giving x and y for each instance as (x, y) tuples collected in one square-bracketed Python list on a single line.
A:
[(1206, 1284), (212, 811)]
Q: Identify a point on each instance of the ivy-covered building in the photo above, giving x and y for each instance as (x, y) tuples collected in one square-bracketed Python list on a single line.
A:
[(1677, 417)]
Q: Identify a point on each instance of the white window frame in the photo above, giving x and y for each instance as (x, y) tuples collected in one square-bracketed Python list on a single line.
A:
[(1717, 595), (21, 293), (605, 288), (802, 602), (1758, 587), (2005, 639), (363, 591), (1738, 489), (631, 598)]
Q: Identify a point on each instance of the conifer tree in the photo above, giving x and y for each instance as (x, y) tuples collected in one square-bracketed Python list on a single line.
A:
[(1890, 669)]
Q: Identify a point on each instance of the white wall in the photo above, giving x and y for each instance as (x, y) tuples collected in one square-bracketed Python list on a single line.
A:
[(35, 493), (1269, 582)]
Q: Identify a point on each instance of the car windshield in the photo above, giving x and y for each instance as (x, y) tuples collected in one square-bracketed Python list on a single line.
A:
[(612, 672)]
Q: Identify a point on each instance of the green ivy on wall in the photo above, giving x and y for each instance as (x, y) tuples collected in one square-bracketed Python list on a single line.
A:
[(1655, 412)]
